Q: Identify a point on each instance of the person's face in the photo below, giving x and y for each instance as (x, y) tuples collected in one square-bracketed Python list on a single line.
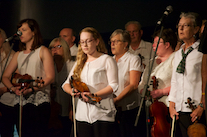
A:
[(57, 49), (27, 34), (162, 47), (1, 41), (88, 43), (186, 29), (66, 34), (117, 45), (135, 33)]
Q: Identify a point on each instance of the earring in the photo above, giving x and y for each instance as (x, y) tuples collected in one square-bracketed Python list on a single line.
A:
[(194, 36)]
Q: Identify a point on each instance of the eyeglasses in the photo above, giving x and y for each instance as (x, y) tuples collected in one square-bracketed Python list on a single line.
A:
[(155, 42), (88, 42), (56, 47), (114, 42), (183, 26)]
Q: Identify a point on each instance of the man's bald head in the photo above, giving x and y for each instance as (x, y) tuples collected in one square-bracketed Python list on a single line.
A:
[(68, 35)]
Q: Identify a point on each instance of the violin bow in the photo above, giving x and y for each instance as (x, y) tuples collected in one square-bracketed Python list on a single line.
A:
[(73, 102), (173, 123), (74, 121), (20, 114)]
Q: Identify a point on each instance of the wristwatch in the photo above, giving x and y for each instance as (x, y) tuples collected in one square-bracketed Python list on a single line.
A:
[(10, 89), (201, 105)]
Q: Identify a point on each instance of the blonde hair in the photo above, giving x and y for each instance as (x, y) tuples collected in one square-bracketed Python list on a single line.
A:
[(82, 57), (6, 46), (66, 49)]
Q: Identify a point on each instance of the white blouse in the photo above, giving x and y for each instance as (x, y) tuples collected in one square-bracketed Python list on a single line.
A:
[(33, 66), (188, 84), (127, 63), (97, 75), (163, 74)]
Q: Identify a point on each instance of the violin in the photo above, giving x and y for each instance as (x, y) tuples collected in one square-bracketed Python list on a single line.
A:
[(196, 129), (82, 87), (24, 80), (159, 112)]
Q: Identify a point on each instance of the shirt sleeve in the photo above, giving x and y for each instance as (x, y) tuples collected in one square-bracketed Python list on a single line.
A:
[(173, 89), (112, 73), (135, 64)]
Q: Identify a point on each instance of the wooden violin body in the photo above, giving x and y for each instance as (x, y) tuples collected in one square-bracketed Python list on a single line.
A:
[(159, 112), (24, 80), (196, 129), (82, 87)]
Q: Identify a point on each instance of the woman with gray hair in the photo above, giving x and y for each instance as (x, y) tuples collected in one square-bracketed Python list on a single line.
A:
[(6, 98), (129, 71), (186, 82)]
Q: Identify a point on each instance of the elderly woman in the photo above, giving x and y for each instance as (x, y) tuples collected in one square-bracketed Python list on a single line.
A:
[(6, 98), (162, 70), (63, 64), (186, 78), (162, 67), (129, 70)]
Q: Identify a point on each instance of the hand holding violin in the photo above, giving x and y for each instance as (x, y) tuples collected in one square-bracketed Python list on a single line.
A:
[(24, 84), (157, 93), (81, 90), (196, 114)]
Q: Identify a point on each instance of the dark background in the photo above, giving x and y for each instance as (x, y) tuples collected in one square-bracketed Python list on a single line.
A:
[(104, 15)]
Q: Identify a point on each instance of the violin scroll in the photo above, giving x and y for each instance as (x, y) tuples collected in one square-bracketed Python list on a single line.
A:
[(196, 129)]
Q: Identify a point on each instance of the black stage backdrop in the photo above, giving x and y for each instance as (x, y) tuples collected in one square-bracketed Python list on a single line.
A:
[(104, 15)]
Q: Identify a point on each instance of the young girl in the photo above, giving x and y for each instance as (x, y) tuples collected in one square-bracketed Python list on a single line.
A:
[(99, 72)]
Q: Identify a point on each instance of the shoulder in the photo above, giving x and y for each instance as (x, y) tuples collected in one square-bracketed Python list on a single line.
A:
[(106, 58), (43, 51), (43, 48), (16, 54), (130, 56)]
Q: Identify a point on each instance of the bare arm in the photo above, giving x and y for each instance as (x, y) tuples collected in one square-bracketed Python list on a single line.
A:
[(48, 64), (172, 110), (9, 70)]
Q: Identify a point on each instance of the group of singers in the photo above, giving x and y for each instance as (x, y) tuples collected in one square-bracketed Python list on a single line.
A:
[(115, 84)]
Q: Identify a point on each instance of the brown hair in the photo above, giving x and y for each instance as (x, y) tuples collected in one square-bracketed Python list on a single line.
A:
[(33, 25)]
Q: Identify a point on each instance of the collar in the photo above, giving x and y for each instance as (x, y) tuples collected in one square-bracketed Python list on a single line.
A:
[(194, 45), (124, 57)]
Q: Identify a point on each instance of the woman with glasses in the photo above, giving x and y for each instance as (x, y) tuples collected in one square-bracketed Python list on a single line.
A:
[(36, 61), (186, 79), (63, 65), (162, 70), (129, 71), (99, 72)]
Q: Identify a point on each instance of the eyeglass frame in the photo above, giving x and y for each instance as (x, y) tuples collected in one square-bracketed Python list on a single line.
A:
[(115, 42), (56, 47), (87, 42), (183, 26)]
